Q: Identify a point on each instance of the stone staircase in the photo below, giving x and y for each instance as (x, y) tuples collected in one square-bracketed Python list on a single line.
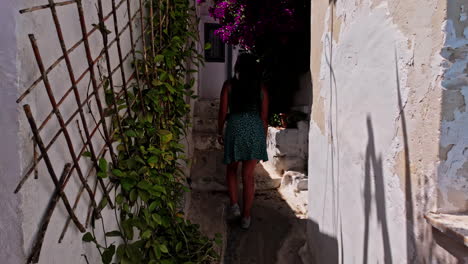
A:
[(207, 170)]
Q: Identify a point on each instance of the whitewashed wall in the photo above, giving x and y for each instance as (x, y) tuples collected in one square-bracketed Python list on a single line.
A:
[(213, 74), (11, 217), (376, 129), (21, 213)]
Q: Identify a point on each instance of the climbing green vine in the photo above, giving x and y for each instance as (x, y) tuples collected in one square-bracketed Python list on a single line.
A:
[(148, 176)]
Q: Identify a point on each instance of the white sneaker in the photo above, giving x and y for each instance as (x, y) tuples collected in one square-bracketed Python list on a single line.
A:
[(235, 211), (245, 222)]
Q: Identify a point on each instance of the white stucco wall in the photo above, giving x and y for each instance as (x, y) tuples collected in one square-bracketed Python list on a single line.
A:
[(10, 219), (22, 212), (375, 130), (212, 74)]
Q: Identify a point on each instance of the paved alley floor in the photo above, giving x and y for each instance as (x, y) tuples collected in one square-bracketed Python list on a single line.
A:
[(275, 236)]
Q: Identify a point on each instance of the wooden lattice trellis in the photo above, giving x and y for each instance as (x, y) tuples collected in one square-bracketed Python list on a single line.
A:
[(79, 113)]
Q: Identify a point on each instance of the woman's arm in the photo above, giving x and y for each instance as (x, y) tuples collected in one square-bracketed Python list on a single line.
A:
[(265, 102), (223, 108)]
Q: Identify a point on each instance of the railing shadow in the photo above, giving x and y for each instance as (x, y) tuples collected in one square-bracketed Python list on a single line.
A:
[(373, 168)]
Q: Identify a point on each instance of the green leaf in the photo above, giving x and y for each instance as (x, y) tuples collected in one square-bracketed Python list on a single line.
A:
[(143, 170), (114, 233), (178, 246), (127, 184), (103, 203), (163, 77), (156, 82), (133, 195), (120, 251), (165, 136), (119, 199), (152, 206), (153, 160), (125, 260), (103, 164), (146, 234), (144, 185), (128, 229), (131, 133), (117, 173), (157, 218), (121, 147), (159, 189), (102, 174), (144, 195), (158, 58), (163, 248), (157, 251), (88, 237), (108, 254), (207, 46), (86, 154), (140, 160)]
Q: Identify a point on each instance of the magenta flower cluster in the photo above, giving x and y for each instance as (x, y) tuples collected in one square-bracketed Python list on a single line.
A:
[(244, 21)]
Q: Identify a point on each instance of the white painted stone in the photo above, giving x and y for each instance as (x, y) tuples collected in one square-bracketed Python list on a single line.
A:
[(11, 236), (379, 82), (22, 212)]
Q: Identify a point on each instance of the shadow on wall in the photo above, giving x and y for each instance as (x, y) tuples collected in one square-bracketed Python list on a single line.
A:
[(375, 163), (410, 241), (416, 187), (330, 248)]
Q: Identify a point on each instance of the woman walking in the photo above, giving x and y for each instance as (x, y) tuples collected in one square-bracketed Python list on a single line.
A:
[(244, 107)]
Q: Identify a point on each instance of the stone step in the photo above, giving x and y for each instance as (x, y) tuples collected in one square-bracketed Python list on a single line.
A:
[(208, 173), (206, 109), (295, 181), (206, 125), (283, 163), (206, 141), (208, 170), (294, 190)]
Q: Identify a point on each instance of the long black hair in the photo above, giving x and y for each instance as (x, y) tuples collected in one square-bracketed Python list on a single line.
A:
[(245, 93)]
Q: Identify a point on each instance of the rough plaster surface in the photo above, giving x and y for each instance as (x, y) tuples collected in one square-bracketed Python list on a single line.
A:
[(373, 140), (11, 250), (453, 169), (22, 212)]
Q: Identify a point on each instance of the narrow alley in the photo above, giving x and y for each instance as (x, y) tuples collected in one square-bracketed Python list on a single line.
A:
[(278, 230), (111, 121)]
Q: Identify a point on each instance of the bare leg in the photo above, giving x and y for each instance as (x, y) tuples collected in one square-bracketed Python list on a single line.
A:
[(231, 179), (248, 183)]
